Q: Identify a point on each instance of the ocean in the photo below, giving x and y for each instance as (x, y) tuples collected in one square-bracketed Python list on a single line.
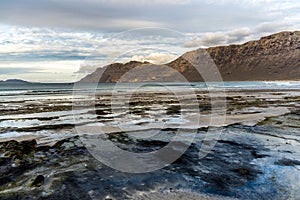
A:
[(67, 88)]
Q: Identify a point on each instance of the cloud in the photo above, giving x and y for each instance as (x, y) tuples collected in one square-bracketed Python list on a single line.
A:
[(18, 70), (86, 68), (91, 15), (49, 71), (155, 58), (56, 50), (140, 2), (219, 38), (271, 27), (238, 36), (243, 2), (118, 15)]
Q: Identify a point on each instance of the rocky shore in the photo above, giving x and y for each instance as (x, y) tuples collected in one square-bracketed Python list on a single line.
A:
[(255, 157), (234, 168)]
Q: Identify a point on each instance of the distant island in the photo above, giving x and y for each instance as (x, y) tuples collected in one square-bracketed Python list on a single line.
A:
[(14, 82), (274, 57)]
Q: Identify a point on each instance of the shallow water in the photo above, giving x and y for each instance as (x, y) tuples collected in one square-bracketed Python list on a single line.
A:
[(256, 147)]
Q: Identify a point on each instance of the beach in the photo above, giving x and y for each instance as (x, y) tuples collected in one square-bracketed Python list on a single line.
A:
[(246, 132)]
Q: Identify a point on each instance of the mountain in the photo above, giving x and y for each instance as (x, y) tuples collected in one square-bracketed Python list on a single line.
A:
[(14, 82), (274, 57)]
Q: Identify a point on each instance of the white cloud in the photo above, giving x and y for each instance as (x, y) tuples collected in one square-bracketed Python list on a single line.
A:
[(241, 35), (155, 58), (219, 38), (47, 71), (269, 27)]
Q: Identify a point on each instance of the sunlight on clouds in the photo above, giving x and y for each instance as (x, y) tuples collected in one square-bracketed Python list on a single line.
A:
[(241, 35), (57, 52), (22, 40), (49, 71), (155, 58), (219, 38)]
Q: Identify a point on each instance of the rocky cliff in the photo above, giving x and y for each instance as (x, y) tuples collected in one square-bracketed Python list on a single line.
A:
[(274, 57)]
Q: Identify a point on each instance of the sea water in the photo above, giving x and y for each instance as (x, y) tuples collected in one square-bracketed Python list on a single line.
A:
[(68, 88)]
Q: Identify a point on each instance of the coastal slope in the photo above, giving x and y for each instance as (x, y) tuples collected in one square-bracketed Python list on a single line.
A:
[(274, 57)]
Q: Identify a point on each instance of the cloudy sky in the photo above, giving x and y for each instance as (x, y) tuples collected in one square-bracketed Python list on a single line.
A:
[(62, 40)]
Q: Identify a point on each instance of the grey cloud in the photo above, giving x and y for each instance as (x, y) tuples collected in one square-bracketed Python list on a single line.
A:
[(239, 32), (72, 14), (116, 15), (87, 68), (238, 36), (18, 70), (269, 27), (219, 38)]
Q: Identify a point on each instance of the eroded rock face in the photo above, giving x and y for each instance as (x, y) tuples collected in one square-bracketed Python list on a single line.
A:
[(274, 57)]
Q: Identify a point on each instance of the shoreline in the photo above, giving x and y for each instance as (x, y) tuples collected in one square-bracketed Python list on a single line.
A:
[(73, 83), (258, 145)]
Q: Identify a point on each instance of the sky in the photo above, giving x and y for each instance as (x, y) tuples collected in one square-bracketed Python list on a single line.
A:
[(63, 40)]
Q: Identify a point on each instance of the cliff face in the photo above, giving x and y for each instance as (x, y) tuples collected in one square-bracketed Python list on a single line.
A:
[(111, 73), (274, 57)]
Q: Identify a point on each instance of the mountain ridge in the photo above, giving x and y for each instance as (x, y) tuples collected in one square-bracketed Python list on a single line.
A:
[(273, 57)]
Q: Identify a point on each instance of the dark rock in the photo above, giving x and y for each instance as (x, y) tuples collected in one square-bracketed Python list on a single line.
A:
[(256, 155), (38, 181), (174, 110), (242, 171), (287, 162), (18, 149)]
